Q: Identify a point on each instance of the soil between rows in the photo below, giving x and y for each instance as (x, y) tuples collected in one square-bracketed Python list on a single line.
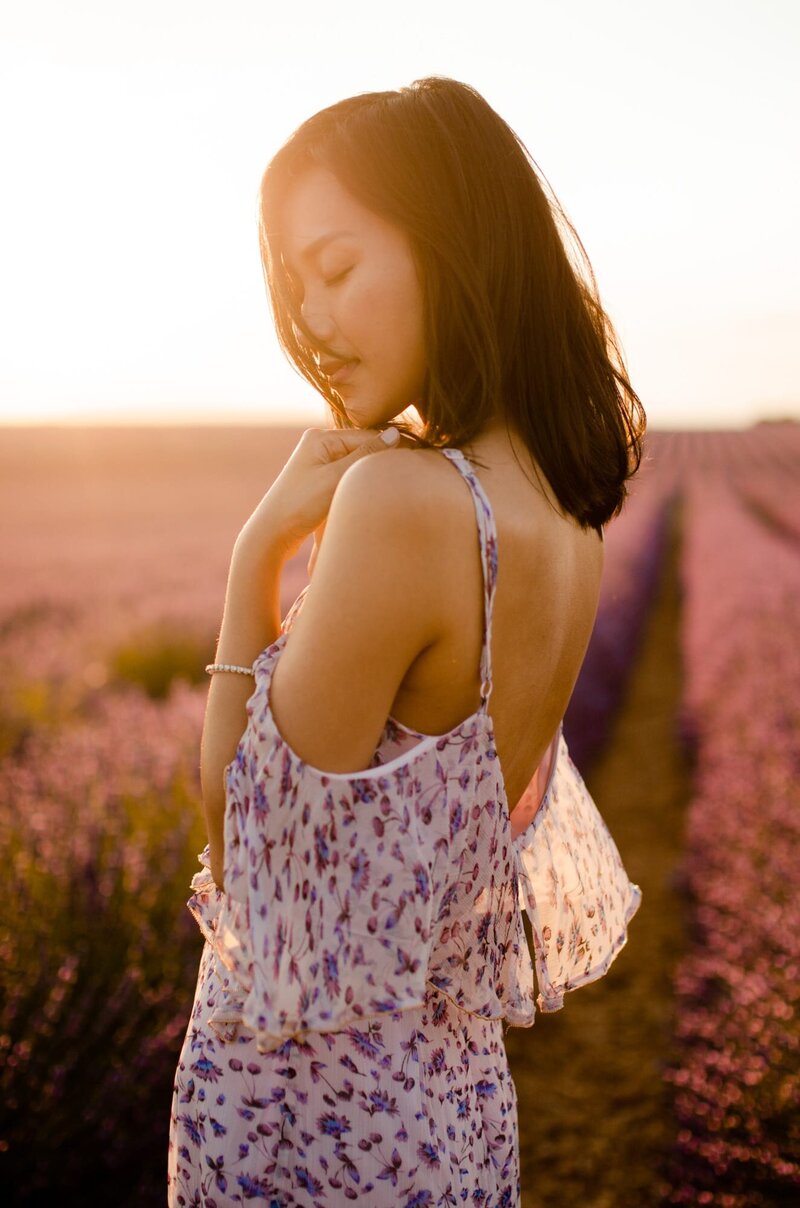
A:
[(594, 1113)]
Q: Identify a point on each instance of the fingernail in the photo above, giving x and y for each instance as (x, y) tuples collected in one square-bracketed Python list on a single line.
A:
[(390, 435)]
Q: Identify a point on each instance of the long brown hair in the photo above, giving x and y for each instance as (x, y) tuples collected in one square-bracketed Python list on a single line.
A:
[(513, 325)]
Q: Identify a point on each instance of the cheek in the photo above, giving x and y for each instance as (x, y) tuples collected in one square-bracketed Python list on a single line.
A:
[(393, 309), (413, 327), (381, 318)]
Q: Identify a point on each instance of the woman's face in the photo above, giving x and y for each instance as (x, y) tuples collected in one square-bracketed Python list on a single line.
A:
[(361, 296)]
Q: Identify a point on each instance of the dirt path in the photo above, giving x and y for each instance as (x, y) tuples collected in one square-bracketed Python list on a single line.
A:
[(594, 1113)]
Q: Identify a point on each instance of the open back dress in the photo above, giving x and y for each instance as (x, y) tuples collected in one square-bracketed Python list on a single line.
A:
[(346, 1038)]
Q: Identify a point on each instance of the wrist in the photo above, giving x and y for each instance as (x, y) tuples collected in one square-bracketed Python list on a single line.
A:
[(262, 541)]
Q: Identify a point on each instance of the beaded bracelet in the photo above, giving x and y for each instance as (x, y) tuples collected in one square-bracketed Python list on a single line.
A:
[(212, 667)]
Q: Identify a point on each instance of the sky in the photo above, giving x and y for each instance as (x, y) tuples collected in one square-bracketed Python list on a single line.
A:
[(135, 136)]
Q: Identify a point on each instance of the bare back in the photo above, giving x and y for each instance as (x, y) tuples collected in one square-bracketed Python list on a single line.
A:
[(548, 585)]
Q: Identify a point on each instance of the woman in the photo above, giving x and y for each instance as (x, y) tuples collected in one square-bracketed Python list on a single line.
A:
[(376, 831)]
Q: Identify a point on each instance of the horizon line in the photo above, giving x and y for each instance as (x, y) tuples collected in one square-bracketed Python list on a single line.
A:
[(706, 424)]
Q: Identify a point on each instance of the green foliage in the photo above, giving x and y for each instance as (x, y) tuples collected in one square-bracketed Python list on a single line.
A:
[(156, 659)]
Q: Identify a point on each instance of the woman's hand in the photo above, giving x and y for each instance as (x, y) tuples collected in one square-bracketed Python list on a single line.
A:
[(298, 501)]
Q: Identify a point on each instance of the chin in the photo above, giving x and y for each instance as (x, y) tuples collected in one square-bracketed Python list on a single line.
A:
[(369, 414), (368, 417)]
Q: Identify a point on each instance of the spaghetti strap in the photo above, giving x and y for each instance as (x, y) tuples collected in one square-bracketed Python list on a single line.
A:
[(487, 534)]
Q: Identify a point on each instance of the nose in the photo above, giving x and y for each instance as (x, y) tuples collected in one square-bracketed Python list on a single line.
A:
[(318, 321)]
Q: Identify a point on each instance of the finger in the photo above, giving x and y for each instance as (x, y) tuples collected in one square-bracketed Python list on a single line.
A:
[(389, 438), (333, 444)]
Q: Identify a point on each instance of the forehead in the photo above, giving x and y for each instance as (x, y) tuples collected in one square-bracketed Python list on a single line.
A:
[(316, 206)]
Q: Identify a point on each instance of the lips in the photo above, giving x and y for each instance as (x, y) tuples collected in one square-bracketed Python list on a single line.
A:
[(338, 370)]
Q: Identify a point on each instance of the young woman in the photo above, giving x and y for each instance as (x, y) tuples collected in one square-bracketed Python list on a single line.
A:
[(375, 829)]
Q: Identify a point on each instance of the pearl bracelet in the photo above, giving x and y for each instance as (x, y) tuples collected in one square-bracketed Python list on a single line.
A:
[(212, 667)]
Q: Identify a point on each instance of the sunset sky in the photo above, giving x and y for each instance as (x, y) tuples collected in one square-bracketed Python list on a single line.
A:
[(135, 134)]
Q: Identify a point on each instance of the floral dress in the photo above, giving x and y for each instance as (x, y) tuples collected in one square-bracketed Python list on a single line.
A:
[(346, 1038)]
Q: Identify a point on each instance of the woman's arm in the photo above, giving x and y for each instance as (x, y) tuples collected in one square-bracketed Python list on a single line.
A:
[(296, 504), (373, 605), (250, 623)]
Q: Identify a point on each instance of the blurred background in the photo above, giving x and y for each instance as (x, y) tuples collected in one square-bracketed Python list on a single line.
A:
[(136, 135), (145, 408)]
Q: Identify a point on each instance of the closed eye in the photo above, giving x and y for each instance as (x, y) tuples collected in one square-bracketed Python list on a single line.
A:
[(339, 276)]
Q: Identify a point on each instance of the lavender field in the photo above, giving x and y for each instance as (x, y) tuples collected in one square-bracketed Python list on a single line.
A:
[(674, 1080)]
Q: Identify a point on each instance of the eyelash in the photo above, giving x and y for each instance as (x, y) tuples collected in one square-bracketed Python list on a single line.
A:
[(338, 277), (298, 291)]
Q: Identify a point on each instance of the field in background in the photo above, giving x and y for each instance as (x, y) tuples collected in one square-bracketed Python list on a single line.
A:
[(674, 1080)]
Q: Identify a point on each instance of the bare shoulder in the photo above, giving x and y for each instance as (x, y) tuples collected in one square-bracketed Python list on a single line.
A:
[(385, 532), (404, 474), (399, 492), (412, 485), (397, 506)]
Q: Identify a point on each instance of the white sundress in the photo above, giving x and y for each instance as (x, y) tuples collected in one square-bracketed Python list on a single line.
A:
[(346, 1038)]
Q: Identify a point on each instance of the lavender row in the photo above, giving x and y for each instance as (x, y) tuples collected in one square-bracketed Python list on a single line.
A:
[(762, 464), (735, 1071), (774, 498), (100, 825), (761, 449), (635, 544)]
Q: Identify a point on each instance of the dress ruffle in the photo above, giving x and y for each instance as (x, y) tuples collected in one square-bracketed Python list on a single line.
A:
[(348, 896), (573, 886)]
